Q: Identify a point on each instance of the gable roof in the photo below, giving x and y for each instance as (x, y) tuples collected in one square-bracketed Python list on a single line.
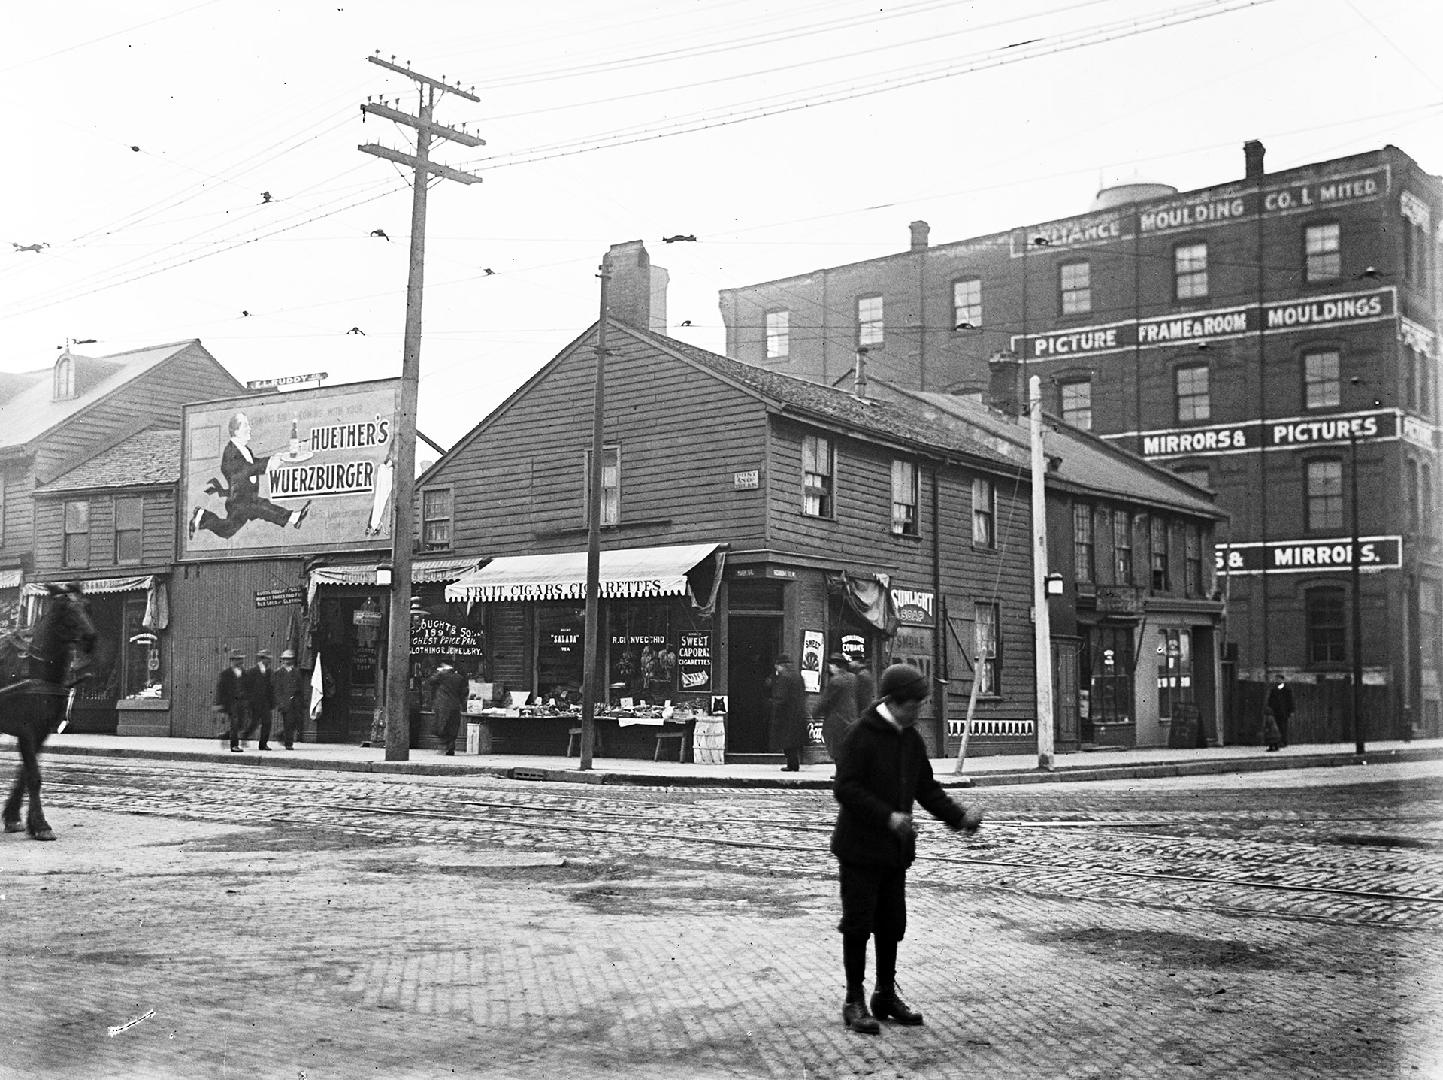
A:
[(1083, 461), (31, 409), (149, 457)]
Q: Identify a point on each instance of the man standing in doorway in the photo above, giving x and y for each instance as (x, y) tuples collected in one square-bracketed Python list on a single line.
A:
[(837, 710), (789, 713)]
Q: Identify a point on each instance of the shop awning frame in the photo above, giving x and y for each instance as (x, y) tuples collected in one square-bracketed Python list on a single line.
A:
[(422, 571), (625, 574)]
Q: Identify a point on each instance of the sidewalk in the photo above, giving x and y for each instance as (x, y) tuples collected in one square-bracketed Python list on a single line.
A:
[(992, 770)]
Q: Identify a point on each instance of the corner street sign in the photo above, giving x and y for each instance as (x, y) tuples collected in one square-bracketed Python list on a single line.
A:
[(316, 377)]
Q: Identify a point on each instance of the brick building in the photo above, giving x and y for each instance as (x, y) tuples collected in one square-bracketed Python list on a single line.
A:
[(1273, 338)]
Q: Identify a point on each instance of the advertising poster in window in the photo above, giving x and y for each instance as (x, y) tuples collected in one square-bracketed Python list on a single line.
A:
[(811, 666), (287, 473), (693, 662)]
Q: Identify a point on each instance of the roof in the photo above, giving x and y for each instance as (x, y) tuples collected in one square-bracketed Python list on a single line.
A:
[(149, 457), (888, 421), (31, 410), (1081, 459)]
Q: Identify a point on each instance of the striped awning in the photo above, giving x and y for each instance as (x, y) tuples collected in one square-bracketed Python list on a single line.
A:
[(94, 586), (631, 573), (12, 578), (422, 571)]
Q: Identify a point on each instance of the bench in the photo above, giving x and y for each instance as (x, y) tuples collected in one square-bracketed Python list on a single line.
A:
[(667, 736), (573, 739)]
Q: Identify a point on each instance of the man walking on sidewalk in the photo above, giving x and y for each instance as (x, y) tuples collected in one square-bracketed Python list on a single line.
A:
[(289, 702), (230, 698), (882, 771)]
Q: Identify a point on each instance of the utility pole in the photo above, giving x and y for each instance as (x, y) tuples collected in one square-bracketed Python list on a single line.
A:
[(403, 494), (1041, 618), (591, 678)]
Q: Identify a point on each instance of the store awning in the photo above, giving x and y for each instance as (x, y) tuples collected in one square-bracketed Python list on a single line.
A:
[(157, 600), (422, 571), (92, 586), (12, 578), (631, 573)]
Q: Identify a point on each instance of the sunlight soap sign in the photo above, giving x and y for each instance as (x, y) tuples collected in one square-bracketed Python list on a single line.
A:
[(285, 473)]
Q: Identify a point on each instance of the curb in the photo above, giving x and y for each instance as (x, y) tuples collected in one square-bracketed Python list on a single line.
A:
[(1001, 778)]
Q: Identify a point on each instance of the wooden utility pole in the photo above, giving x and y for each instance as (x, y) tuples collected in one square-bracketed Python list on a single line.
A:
[(592, 679), (403, 494)]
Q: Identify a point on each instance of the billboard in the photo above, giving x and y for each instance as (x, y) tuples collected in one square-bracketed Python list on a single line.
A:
[(283, 474)]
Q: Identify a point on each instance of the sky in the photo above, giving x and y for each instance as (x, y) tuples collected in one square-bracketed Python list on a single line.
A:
[(191, 167)]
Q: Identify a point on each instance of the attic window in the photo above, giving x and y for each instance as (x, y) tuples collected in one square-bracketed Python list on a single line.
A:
[(64, 379)]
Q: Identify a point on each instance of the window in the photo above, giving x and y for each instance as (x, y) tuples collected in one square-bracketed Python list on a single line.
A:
[(817, 476), (1082, 543), (984, 647), (1174, 673), (1074, 282), (1324, 482), (1323, 616), (1159, 554), (1122, 545), (1107, 671), (1425, 498), (1323, 257), (1409, 363), (610, 485), (984, 513), (1076, 403), (129, 528), (1190, 271), (64, 379), (76, 550), (870, 326), (1194, 402), (436, 519), (778, 334), (1322, 383), (1415, 253), (904, 498), (967, 304), (1193, 584), (1410, 473), (141, 662)]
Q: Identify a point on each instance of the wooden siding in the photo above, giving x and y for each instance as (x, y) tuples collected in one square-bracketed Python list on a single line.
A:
[(18, 542), (212, 610), (157, 536), (682, 433)]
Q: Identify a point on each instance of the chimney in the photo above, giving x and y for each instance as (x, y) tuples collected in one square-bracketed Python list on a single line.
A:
[(920, 230), (859, 373), (636, 293), (1253, 152), (1004, 383)]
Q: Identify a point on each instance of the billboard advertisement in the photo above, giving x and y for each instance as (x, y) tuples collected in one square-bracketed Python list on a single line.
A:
[(289, 473)]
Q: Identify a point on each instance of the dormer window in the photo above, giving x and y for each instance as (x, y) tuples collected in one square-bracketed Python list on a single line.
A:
[(64, 379)]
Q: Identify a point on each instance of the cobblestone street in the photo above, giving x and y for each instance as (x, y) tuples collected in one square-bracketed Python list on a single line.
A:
[(201, 919)]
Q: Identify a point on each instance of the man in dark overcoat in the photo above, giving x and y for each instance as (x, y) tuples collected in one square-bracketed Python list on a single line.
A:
[(837, 708), (290, 698), (866, 685), (260, 697), (230, 698), (1280, 704), (448, 688), (789, 713), (882, 771)]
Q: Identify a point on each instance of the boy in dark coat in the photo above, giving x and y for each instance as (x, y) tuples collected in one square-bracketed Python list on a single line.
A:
[(789, 714), (883, 770)]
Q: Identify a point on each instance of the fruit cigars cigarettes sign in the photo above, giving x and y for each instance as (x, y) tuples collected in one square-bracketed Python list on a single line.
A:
[(287, 473), (1309, 556), (1279, 316)]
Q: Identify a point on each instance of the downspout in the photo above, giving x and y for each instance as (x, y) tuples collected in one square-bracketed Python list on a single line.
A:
[(939, 641)]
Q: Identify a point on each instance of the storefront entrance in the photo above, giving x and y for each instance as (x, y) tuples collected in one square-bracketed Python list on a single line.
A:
[(754, 643)]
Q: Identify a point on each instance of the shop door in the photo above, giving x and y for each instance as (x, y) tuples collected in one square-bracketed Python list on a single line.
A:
[(754, 643), (1064, 682)]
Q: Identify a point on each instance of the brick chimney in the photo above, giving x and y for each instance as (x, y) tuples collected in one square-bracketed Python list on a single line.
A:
[(1004, 384), (636, 293), (920, 231), (1253, 152)]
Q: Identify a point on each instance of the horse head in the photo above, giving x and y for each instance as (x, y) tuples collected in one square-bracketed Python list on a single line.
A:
[(66, 626)]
